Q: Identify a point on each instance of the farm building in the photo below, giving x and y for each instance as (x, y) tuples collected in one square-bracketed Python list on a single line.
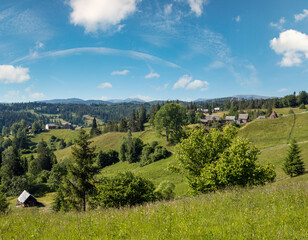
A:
[(273, 115), (261, 117), (210, 118), (217, 109), (50, 126), (243, 118), (27, 200), (230, 118), (67, 126)]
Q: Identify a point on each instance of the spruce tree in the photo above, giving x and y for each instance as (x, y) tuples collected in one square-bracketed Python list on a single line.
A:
[(293, 163), (81, 171), (94, 129)]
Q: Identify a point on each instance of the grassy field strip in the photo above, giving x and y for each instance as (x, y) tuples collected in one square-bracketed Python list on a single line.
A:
[(273, 211), (293, 124)]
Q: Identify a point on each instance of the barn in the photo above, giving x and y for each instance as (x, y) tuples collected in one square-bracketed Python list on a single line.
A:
[(27, 200)]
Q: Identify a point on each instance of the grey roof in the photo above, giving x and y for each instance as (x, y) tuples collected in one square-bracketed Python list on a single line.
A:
[(230, 118), (261, 117), (243, 116), (24, 196), (50, 124), (211, 117)]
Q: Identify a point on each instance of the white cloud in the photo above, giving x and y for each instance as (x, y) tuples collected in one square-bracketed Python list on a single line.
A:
[(182, 82), (293, 45), (11, 74), (215, 65), (152, 75), (105, 85), (100, 51), (283, 90), (37, 95), (301, 16), (124, 72), (168, 9), (196, 6), (28, 89), (162, 88), (12, 94), (198, 84), (238, 18), (100, 14), (279, 25)]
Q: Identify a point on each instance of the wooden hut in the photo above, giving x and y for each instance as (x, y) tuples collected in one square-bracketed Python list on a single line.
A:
[(27, 200), (273, 115)]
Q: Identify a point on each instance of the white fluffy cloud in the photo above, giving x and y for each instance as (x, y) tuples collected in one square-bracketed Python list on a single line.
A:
[(278, 25), (182, 82), (185, 82), (198, 84), (293, 45), (152, 75), (283, 90), (37, 95), (105, 85), (196, 6), (12, 94), (301, 16), (100, 14), (11, 74), (124, 72)]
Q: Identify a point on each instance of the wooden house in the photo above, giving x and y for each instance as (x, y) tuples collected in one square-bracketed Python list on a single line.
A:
[(50, 126), (230, 118), (27, 200), (243, 118)]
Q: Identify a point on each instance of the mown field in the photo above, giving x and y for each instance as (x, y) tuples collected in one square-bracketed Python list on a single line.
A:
[(273, 211)]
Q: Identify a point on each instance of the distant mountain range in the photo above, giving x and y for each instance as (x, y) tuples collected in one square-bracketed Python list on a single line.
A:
[(137, 100)]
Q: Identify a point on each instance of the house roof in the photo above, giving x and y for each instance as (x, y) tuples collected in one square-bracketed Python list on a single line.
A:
[(24, 196), (243, 116), (211, 117), (230, 118), (51, 124)]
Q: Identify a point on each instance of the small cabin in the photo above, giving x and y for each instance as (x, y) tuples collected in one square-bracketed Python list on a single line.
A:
[(243, 118), (230, 118), (26, 200), (50, 126)]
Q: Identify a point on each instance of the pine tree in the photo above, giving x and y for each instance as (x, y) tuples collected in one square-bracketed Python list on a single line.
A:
[(81, 171), (94, 130), (293, 163)]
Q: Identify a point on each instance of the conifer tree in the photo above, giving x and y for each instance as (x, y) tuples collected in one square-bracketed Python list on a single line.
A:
[(81, 171), (293, 163), (94, 130)]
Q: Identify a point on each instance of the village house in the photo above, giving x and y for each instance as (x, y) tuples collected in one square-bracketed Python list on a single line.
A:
[(230, 118), (67, 126), (217, 109), (50, 126), (210, 118), (243, 118), (273, 115), (26, 200), (261, 117)]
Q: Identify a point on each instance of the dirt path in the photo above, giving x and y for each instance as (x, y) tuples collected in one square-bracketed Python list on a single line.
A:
[(280, 146)]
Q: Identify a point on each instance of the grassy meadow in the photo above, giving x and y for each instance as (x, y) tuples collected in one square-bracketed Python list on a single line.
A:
[(273, 211)]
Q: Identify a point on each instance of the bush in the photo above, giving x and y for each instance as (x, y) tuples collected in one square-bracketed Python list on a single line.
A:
[(4, 205), (302, 106), (108, 158), (152, 153), (124, 189), (165, 191), (217, 159)]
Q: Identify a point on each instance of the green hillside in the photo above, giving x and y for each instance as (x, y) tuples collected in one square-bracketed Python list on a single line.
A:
[(273, 211)]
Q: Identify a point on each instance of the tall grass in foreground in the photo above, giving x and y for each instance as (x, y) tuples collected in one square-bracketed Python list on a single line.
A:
[(274, 211)]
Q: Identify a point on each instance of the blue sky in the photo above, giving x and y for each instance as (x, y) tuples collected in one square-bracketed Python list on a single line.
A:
[(158, 49)]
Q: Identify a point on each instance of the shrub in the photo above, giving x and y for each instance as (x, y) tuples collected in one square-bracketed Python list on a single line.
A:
[(4, 205), (165, 191), (217, 159), (108, 158), (124, 189), (152, 153)]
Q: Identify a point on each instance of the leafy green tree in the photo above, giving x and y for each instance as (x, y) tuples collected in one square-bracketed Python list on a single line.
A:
[(293, 163), (4, 205), (123, 126), (215, 160), (11, 163), (79, 183), (302, 106), (130, 148), (302, 98), (37, 127), (107, 158), (169, 120), (45, 157), (124, 189), (57, 174), (94, 129)]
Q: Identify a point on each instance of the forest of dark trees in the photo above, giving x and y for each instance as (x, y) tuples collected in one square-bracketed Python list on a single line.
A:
[(112, 114)]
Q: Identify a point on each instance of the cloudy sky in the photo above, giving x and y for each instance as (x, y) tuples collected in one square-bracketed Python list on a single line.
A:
[(152, 49)]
